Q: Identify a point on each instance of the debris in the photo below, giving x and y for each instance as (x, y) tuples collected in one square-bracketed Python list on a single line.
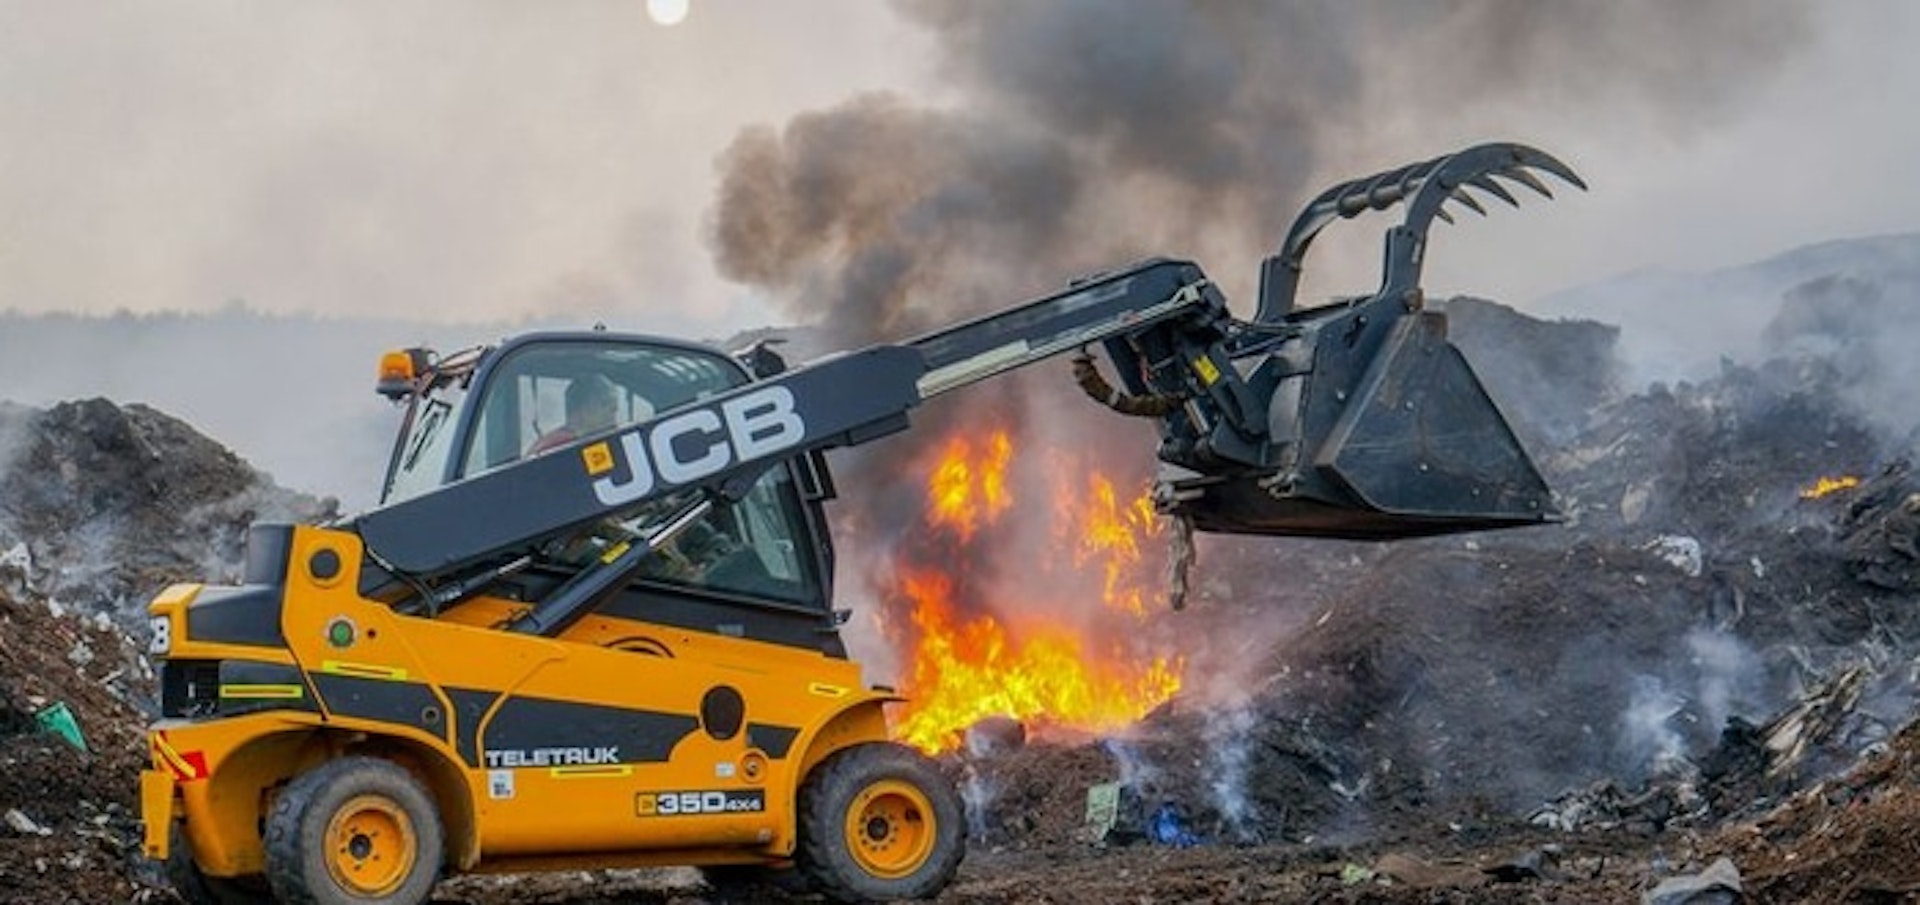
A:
[(1604, 805), (1103, 809), (1179, 561), (1719, 884), (59, 720), (1679, 551), (1354, 875), (24, 825), (1812, 722), (1166, 828)]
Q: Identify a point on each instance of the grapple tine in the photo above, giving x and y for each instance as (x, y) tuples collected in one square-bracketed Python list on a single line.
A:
[(1541, 160), (1425, 188), (1493, 188), (1525, 178), (1460, 195)]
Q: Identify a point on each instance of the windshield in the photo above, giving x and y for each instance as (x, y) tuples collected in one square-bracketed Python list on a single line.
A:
[(423, 451), (543, 395)]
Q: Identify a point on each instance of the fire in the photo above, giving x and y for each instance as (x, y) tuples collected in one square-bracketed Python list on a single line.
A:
[(1061, 648), (1826, 485), (966, 671), (967, 489), (1110, 532)]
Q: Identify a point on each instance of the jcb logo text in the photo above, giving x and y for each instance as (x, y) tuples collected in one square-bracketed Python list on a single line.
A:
[(692, 445)]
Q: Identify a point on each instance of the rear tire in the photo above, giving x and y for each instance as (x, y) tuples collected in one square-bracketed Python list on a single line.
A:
[(879, 822), (354, 831), (196, 888)]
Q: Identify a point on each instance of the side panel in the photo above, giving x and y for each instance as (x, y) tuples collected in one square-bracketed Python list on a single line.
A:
[(620, 736)]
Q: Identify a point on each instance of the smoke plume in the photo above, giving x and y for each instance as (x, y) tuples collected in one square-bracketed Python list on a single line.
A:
[(1081, 135)]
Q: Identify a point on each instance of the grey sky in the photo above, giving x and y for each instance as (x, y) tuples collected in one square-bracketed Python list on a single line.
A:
[(461, 160)]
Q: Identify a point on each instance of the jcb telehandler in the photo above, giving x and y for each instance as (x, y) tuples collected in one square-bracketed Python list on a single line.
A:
[(622, 650)]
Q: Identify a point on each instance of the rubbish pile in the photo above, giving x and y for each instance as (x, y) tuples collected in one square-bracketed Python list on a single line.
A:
[(101, 506), (73, 693)]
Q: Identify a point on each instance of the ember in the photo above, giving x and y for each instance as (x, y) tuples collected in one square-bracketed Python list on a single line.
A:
[(1826, 486)]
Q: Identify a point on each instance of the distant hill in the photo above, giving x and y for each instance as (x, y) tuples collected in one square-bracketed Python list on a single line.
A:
[(1678, 324)]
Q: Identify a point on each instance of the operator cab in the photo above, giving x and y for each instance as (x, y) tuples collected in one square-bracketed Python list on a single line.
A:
[(482, 410)]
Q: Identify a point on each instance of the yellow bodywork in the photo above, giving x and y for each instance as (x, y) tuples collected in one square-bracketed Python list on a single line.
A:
[(412, 686)]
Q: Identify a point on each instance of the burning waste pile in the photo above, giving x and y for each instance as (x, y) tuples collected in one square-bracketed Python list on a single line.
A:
[(1727, 618)]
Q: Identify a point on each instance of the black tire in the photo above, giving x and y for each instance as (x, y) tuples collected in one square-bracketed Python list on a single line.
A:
[(196, 888), (879, 822), (357, 830)]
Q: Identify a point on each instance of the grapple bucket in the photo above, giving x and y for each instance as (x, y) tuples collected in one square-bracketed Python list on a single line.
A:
[(1356, 419), (1411, 446)]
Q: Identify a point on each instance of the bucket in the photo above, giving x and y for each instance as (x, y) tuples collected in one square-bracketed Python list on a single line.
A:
[(58, 720)]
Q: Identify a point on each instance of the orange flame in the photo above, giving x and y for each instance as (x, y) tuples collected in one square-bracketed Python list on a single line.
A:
[(1107, 531), (964, 672), (966, 490), (1826, 486), (1036, 659)]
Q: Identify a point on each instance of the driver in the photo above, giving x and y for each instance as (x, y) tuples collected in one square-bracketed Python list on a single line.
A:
[(592, 406)]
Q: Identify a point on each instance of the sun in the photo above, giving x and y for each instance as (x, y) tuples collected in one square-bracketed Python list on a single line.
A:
[(667, 12)]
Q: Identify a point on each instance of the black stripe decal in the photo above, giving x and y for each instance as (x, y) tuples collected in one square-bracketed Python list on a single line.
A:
[(775, 740), (405, 703), (643, 736), (469, 705)]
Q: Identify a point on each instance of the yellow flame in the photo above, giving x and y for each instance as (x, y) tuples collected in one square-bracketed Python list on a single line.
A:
[(968, 488), (1826, 485), (1106, 531), (964, 672)]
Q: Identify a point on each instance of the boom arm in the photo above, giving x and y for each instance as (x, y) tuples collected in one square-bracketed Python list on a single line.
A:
[(721, 444), (1356, 419)]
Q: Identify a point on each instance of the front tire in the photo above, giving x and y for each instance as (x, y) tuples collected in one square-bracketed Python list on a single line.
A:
[(354, 831), (878, 822)]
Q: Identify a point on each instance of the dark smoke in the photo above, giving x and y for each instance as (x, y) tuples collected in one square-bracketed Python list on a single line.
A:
[(1091, 132), (1085, 134)]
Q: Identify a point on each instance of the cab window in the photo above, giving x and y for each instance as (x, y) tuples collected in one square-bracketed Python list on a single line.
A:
[(544, 396), (750, 548)]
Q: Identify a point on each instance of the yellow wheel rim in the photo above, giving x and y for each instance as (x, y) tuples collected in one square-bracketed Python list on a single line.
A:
[(370, 846), (890, 828)]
